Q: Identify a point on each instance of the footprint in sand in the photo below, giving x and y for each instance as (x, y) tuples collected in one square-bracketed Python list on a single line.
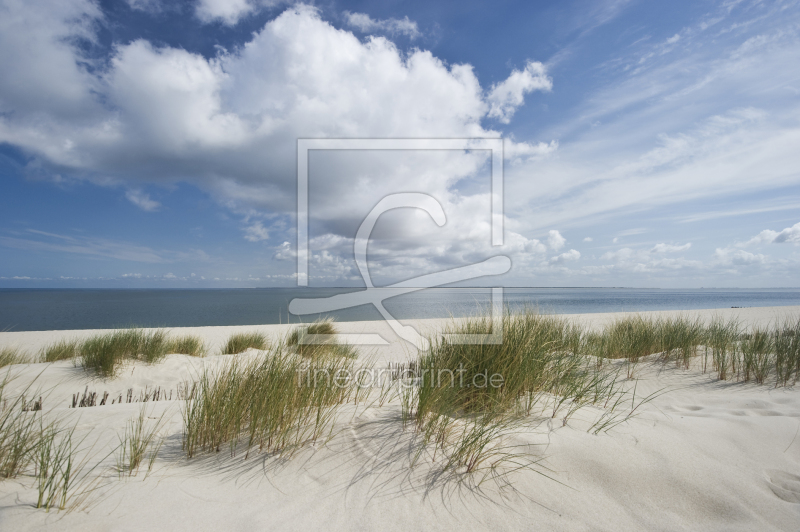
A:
[(784, 485)]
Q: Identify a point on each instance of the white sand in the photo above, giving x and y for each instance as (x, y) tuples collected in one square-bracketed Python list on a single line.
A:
[(707, 455)]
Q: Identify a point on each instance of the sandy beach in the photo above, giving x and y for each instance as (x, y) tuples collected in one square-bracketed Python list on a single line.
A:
[(703, 455)]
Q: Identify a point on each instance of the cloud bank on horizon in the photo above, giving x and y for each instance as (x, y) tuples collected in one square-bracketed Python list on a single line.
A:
[(640, 151)]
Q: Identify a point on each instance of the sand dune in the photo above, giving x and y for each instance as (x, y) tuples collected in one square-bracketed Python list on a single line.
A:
[(704, 455)]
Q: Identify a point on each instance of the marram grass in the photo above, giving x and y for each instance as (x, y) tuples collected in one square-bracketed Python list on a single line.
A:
[(61, 350), (318, 327), (269, 404), (721, 338), (45, 450), (140, 443), (317, 340), (466, 400), (725, 347), (104, 353), (19, 433), (10, 356), (469, 397), (631, 338), (786, 343), (187, 345), (241, 342)]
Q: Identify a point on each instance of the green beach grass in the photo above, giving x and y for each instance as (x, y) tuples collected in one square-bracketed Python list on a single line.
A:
[(241, 342), (317, 340)]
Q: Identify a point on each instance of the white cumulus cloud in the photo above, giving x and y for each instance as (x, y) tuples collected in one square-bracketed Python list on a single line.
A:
[(570, 255), (228, 125), (622, 254), (507, 96), (768, 236), (555, 241), (229, 12), (790, 234), (739, 257)]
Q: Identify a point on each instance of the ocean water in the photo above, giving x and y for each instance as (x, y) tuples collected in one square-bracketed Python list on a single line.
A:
[(37, 310)]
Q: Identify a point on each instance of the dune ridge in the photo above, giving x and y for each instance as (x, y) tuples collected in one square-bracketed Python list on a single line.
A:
[(703, 454)]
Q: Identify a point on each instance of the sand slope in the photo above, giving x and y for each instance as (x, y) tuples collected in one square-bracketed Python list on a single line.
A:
[(706, 455)]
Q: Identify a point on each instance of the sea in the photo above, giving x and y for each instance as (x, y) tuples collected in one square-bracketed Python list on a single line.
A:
[(64, 309)]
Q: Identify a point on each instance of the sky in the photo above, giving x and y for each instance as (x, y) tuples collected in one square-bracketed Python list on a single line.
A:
[(148, 144)]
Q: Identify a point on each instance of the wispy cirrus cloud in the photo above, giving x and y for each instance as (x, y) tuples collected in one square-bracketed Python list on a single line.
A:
[(670, 248), (256, 232), (148, 6), (770, 205), (671, 130), (394, 26), (590, 15), (96, 247), (142, 200)]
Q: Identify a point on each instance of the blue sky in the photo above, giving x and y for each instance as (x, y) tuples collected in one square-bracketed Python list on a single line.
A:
[(146, 143)]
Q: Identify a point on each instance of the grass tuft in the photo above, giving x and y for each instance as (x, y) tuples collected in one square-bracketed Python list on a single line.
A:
[(325, 327), (722, 338), (104, 353), (139, 443), (680, 338), (756, 348), (187, 345), (787, 352), (317, 340), (241, 342), (469, 397), (62, 480), (756, 355), (273, 404), (10, 356), (18, 434), (28, 442), (629, 338), (54, 467), (61, 350)]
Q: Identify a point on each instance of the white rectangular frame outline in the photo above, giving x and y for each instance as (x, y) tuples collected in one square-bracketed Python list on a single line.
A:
[(493, 145)]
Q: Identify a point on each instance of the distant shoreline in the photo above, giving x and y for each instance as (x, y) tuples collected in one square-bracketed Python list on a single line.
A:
[(61, 309), (33, 341)]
